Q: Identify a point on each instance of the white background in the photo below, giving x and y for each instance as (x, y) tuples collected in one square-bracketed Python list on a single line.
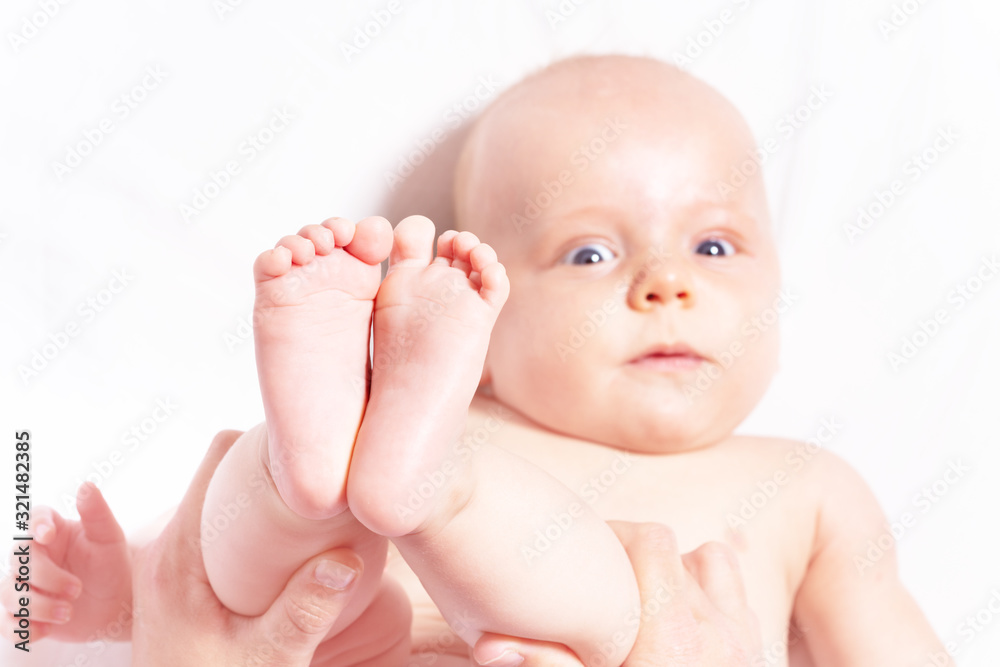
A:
[(164, 336)]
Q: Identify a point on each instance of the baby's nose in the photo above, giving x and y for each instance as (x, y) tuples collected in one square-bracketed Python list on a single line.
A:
[(652, 287)]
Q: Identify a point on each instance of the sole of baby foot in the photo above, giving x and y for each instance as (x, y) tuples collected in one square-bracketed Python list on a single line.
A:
[(312, 317), (432, 324)]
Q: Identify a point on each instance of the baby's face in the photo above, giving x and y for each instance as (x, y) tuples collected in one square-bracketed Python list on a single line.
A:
[(637, 289)]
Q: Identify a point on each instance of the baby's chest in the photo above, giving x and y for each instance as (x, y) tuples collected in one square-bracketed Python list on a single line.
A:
[(769, 530)]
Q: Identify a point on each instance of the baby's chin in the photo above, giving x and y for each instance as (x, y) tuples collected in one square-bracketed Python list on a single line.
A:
[(683, 428), (670, 435)]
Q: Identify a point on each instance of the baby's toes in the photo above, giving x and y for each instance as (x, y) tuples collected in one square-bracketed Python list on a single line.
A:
[(322, 238), (462, 246), (445, 245), (496, 286), (302, 249), (272, 264), (482, 256)]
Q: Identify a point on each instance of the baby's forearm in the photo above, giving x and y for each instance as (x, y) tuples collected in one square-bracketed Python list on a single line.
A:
[(252, 542), (522, 555)]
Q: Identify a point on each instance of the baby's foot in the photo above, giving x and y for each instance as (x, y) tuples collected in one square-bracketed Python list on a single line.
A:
[(433, 319), (312, 320)]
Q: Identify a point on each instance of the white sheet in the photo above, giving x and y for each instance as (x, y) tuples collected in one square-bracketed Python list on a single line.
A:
[(208, 78)]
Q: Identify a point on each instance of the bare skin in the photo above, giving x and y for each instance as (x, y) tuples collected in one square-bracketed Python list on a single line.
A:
[(640, 289), (432, 318), (635, 275)]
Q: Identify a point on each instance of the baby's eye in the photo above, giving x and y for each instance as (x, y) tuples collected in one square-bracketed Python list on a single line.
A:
[(715, 248), (592, 253)]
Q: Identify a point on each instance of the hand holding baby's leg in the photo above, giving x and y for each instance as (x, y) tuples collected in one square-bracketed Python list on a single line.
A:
[(433, 318), (312, 319), (278, 497)]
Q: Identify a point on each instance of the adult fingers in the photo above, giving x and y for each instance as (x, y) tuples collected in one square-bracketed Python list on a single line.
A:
[(309, 605), (714, 566), (652, 549), (187, 520)]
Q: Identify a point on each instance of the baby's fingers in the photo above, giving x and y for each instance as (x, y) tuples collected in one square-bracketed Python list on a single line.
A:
[(43, 609), (51, 579), (46, 524), (99, 524)]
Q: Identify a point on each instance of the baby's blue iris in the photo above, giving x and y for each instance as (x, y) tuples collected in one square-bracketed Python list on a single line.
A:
[(715, 248), (592, 253)]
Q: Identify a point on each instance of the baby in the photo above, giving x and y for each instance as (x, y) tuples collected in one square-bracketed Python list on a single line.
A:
[(633, 276)]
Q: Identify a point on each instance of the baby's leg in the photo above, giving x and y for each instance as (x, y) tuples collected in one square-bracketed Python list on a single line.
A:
[(278, 497), (468, 527)]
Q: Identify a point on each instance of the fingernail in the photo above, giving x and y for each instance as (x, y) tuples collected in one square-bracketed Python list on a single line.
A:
[(508, 658), (42, 531), (74, 589), (61, 613), (335, 575)]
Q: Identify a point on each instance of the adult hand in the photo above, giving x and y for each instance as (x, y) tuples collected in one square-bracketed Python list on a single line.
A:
[(178, 620), (694, 609)]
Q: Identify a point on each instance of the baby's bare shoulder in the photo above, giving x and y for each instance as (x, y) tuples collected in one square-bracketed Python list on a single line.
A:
[(807, 467)]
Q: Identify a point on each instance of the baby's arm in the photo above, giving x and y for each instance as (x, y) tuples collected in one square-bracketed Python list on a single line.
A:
[(852, 610)]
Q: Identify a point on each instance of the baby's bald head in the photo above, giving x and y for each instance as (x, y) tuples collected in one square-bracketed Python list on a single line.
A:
[(550, 114), (599, 182)]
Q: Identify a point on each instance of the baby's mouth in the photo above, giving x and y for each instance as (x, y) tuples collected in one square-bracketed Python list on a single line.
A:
[(669, 359)]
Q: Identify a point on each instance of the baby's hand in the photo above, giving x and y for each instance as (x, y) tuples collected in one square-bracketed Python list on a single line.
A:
[(81, 574)]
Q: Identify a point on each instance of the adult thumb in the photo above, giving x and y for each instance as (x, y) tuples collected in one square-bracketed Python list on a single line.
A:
[(310, 604)]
